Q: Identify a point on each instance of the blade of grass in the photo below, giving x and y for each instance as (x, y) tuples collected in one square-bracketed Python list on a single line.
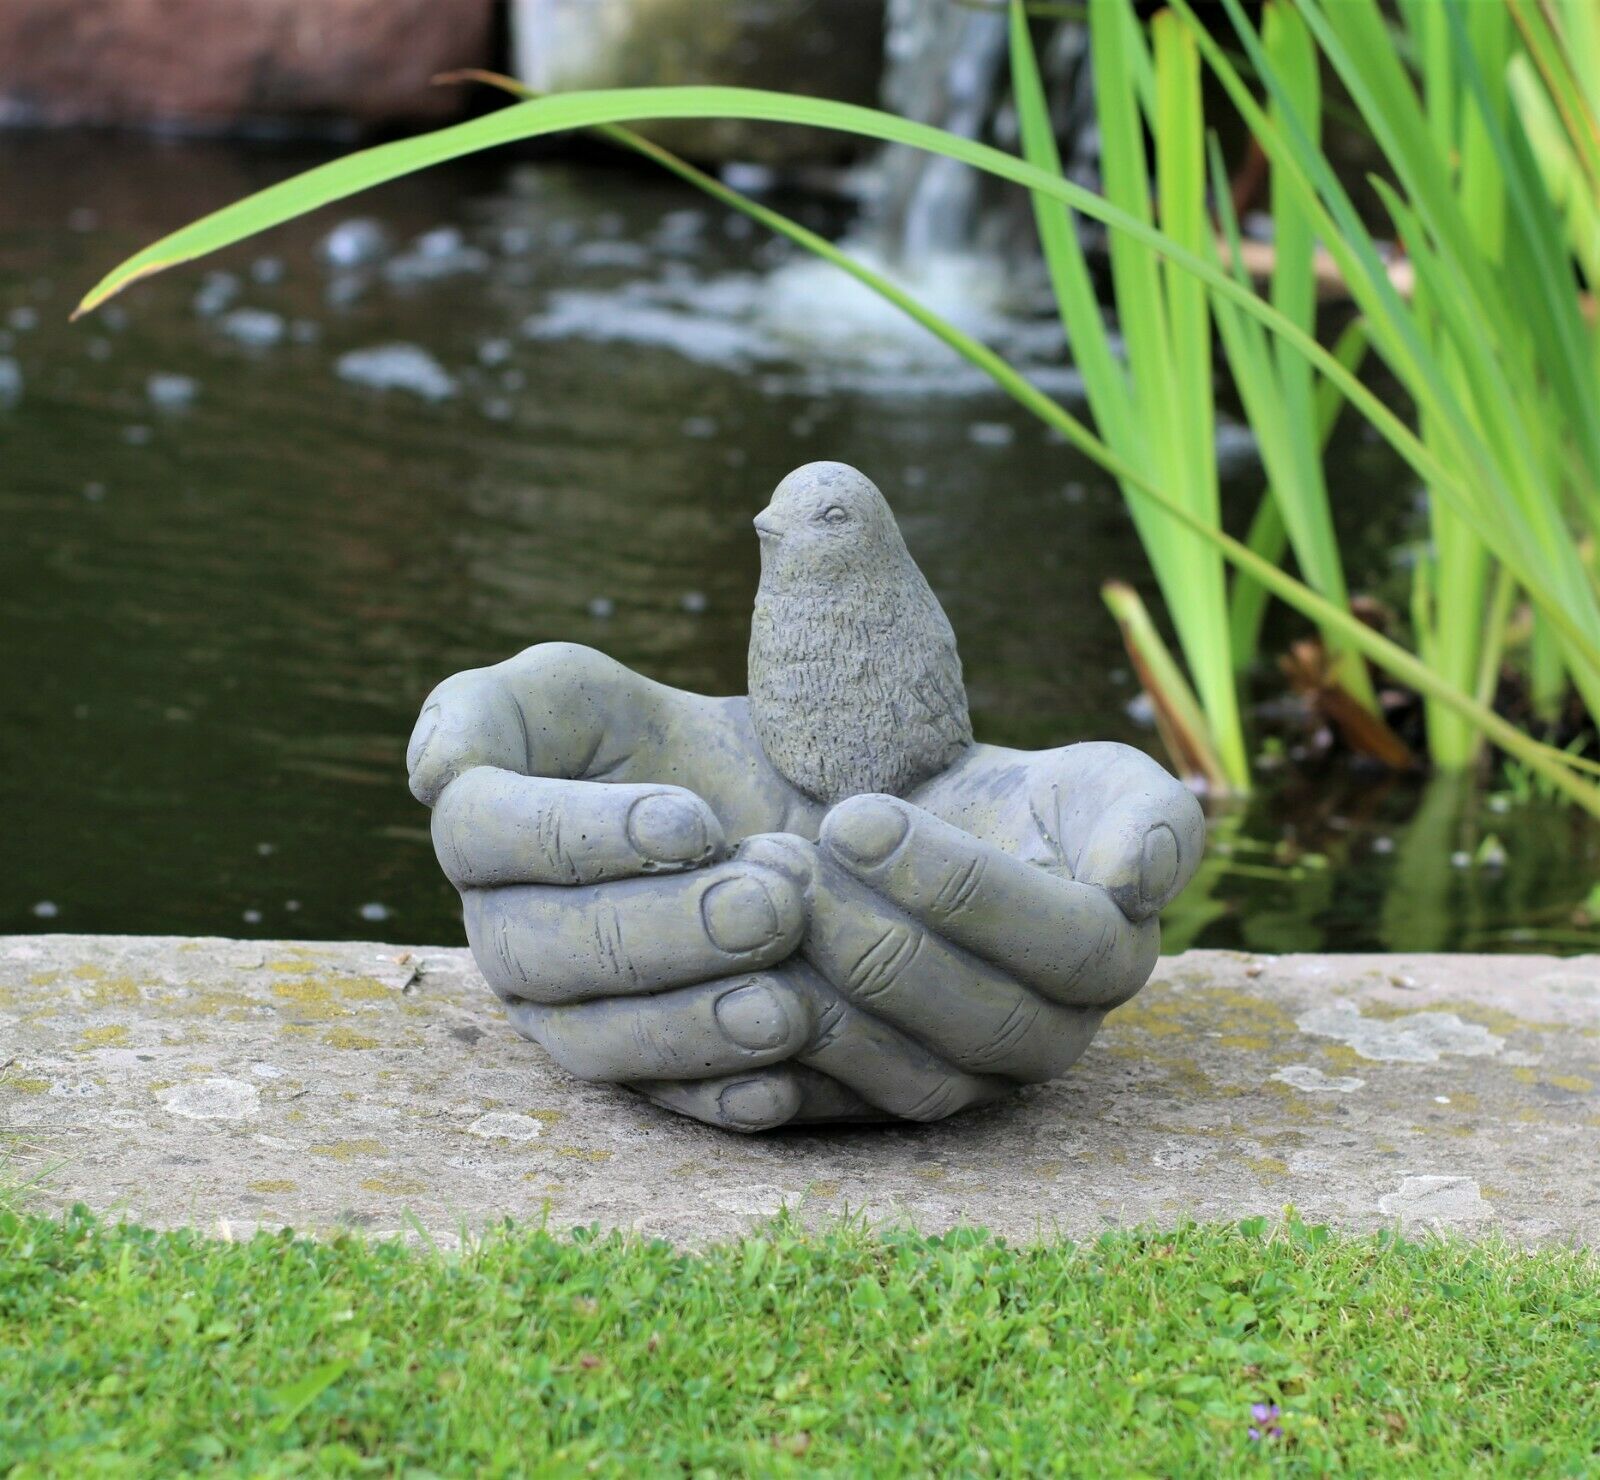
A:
[(1452, 577), (1307, 514), (1269, 536), (1493, 308), (1104, 379), (1289, 437), (1189, 461), (1473, 479), (1564, 175), (1564, 80), (1179, 718), (1189, 730)]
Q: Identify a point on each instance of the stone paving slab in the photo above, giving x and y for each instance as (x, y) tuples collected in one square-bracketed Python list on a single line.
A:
[(232, 1084)]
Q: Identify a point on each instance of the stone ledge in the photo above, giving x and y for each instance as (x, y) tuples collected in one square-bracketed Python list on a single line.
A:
[(235, 1084)]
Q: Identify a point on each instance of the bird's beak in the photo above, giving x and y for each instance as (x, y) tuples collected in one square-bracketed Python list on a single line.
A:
[(767, 527)]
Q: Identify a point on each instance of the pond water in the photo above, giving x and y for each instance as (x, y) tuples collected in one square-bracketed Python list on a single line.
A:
[(245, 534)]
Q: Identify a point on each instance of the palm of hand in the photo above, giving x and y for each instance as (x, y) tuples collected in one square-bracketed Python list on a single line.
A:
[(885, 958)]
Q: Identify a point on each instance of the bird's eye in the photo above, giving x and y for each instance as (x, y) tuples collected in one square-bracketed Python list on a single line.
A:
[(834, 515)]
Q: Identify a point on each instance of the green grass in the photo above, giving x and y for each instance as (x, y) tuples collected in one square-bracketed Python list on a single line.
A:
[(131, 1352)]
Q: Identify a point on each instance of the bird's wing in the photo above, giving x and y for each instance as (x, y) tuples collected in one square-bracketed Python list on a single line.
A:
[(941, 694)]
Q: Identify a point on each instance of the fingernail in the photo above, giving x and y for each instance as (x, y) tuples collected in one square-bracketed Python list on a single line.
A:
[(668, 829), (739, 914), (422, 736), (866, 832), (753, 1017), (784, 854), (756, 1104), (1158, 869)]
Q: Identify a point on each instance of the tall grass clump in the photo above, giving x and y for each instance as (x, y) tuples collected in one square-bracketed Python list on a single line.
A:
[(1492, 347)]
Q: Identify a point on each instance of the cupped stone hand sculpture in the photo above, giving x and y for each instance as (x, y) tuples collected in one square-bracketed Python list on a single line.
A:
[(825, 902)]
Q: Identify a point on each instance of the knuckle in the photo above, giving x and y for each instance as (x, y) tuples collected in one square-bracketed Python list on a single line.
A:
[(448, 849), (1008, 1036), (884, 962), (497, 923), (609, 950), (452, 827), (944, 1098), (509, 972), (959, 882), (830, 1025), (423, 734), (552, 850), (651, 1049), (560, 661), (555, 676)]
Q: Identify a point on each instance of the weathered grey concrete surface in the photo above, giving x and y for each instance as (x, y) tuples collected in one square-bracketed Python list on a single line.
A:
[(242, 1083)]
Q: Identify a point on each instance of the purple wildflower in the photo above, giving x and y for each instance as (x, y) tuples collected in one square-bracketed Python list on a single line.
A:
[(1266, 1425)]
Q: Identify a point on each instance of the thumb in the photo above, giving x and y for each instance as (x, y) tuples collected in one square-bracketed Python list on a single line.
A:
[(470, 720), (1143, 850)]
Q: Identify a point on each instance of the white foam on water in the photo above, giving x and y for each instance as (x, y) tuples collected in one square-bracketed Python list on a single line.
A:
[(397, 367), (216, 292), (171, 392), (812, 328), (440, 253), (258, 328), (632, 314), (354, 243)]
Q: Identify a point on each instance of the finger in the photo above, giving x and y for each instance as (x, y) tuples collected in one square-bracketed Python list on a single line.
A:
[(823, 1100), (720, 1028), (883, 1066), (761, 1101), (496, 827), (958, 1006), (1143, 859), (1124, 822), (700, 1032), (746, 1102), (470, 720), (556, 709), (1066, 939), (552, 943)]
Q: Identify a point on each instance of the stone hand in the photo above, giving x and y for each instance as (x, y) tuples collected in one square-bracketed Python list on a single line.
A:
[(948, 967), (949, 946)]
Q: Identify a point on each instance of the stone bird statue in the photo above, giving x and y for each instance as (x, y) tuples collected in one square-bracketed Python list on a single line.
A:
[(855, 684)]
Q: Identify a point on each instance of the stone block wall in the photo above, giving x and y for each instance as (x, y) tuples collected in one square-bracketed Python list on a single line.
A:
[(226, 65)]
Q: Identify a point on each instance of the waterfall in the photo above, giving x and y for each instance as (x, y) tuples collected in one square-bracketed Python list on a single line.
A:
[(958, 240), (942, 65), (945, 63)]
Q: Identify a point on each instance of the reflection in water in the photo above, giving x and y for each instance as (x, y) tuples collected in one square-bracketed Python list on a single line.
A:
[(231, 574)]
